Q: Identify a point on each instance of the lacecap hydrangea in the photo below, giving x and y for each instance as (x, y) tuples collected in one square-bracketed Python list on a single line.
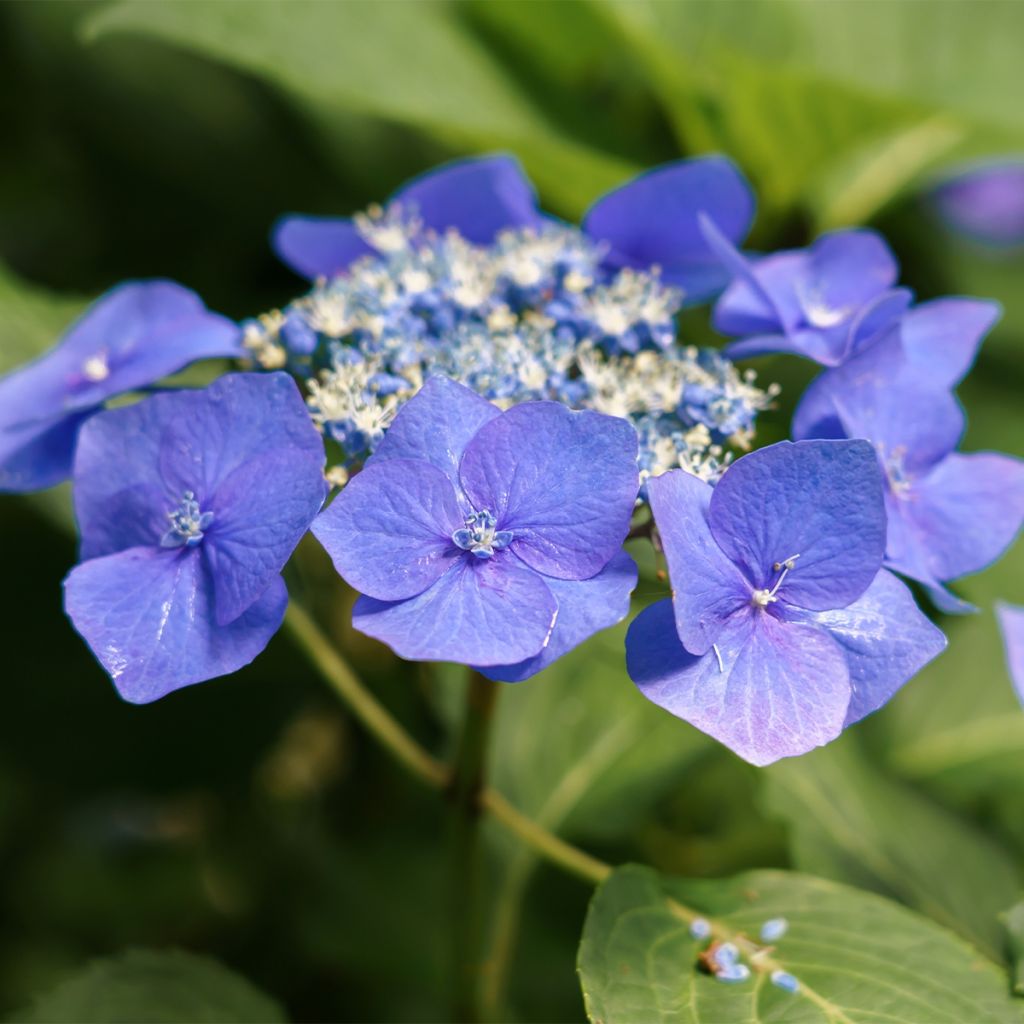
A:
[(499, 400)]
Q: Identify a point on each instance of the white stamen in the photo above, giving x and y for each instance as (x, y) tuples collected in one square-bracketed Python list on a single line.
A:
[(718, 655), (96, 368)]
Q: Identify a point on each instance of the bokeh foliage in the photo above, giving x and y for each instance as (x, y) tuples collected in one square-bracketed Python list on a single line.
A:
[(248, 819)]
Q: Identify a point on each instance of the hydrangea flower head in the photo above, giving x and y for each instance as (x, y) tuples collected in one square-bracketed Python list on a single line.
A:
[(949, 514), (129, 338), (522, 308), (486, 537), (782, 629), (1011, 624), (827, 302), (651, 220), (189, 503)]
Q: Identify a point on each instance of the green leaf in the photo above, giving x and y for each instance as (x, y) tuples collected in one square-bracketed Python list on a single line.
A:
[(857, 956), (409, 62), (148, 987), (849, 822), (1013, 922), (833, 107)]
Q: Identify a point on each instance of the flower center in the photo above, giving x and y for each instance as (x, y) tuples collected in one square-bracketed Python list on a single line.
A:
[(895, 472), (188, 523), (96, 368), (763, 598), (480, 537)]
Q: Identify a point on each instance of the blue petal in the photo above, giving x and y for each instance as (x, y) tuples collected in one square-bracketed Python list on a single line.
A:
[(134, 463), (706, 587), (134, 335), (886, 639), (1011, 623), (985, 203), (478, 197), (768, 689), (481, 612), (318, 246), (148, 617), (436, 425), (565, 483), (584, 608), (967, 511), (941, 338), (259, 514), (821, 500), (389, 532), (652, 220), (761, 298), (35, 457), (845, 271)]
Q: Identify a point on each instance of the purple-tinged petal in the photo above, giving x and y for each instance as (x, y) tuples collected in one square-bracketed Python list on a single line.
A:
[(809, 344), (134, 335), (35, 457), (653, 220), (871, 371), (1011, 623), (967, 511), (584, 608), (436, 425), (876, 321), (886, 639), (147, 614), (706, 587), (760, 298), (941, 338), (389, 532), (134, 463), (260, 513), (210, 433), (478, 197), (913, 427), (565, 484), (819, 500), (986, 203), (946, 601), (318, 246), (481, 612), (845, 271), (767, 689)]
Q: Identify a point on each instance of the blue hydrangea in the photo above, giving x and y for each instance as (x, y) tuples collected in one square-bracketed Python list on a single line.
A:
[(528, 309)]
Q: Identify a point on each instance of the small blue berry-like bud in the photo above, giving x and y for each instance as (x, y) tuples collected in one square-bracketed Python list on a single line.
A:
[(773, 930), (785, 981), (725, 956), (700, 928), (734, 973)]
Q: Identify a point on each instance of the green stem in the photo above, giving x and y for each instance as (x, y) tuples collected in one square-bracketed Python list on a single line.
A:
[(465, 790), (378, 720), (374, 716)]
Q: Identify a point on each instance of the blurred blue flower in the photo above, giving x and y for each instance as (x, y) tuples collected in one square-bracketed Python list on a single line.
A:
[(782, 629), (949, 514), (1011, 624), (129, 338), (189, 503), (488, 538), (649, 221), (985, 202), (827, 302)]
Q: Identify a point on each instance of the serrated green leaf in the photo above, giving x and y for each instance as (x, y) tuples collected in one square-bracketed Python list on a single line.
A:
[(858, 957), (849, 822), (149, 987), (409, 62)]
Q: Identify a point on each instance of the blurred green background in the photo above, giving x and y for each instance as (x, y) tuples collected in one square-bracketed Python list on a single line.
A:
[(249, 819)]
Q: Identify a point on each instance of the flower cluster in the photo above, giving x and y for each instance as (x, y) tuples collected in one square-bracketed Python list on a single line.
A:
[(503, 389), (536, 310)]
